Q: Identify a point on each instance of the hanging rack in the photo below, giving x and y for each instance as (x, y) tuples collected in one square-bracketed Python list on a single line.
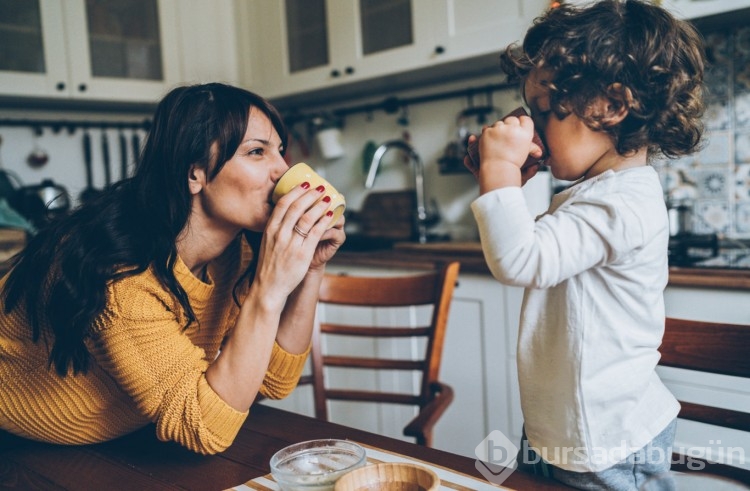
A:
[(56, 125), (391, 105)]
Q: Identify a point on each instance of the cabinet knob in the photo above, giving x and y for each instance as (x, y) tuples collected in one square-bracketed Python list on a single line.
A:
[(60, 86), (349, 70), (439, 50), (335, 73), (82, 87)]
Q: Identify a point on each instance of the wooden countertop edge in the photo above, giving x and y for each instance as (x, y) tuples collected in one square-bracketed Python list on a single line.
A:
[(734, 279), (473, 262)]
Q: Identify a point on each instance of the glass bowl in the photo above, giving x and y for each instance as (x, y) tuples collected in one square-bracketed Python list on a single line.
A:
[(315, 465)]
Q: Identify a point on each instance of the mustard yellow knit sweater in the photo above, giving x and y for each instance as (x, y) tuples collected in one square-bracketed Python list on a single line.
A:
[(146, 367)]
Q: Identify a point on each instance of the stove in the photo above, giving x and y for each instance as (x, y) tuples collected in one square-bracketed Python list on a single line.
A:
[(707, 251), (727, 259)]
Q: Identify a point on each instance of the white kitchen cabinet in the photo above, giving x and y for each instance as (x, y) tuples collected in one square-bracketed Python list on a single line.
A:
[(469, 28), (116, 50), (692, 9), (316, 44), (715, 305), (207, 39)]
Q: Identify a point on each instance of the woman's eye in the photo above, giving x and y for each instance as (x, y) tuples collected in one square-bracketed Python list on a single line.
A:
[(255, 151)]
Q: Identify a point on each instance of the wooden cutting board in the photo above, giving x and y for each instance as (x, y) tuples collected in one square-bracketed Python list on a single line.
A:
[(388, 214)]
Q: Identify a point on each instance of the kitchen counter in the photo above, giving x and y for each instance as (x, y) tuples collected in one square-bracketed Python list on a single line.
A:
[(410, 255)]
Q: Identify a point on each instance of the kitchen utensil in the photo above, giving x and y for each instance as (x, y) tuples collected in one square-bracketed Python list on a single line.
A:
[(135, 141), (106, 160), (42, 202), (123, 154), (473, 148), (680, 215), (388, 214), (472, 119), (90, 192), (315, 465), (301, 172), (38, 156), (390, 476), (329, 143)]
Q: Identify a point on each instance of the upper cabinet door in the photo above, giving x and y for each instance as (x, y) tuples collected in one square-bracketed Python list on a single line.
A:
[(33, 60), (90, 49), (301, 47), (480, 27), (121, 49), (692, 9), (392, 36)]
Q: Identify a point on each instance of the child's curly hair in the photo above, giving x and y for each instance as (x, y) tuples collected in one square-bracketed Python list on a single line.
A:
[(657, 59)]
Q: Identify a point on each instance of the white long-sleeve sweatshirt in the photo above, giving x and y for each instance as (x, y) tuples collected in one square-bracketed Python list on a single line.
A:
[(594, 268)]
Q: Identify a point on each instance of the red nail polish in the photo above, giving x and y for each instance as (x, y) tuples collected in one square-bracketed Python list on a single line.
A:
[(329, 214), (326, 199), (320, 188), (305, 185)]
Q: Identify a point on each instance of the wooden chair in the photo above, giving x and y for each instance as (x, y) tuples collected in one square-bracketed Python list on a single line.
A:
[(714, 348), (431, 288)]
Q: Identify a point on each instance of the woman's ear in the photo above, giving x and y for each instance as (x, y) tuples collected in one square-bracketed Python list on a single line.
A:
[(616, 104), (196, 179)]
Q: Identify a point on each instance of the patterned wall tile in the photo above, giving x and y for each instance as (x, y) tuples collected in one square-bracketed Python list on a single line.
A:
[(742, 182), (742, 110), (719, 173), (715, 149), (711, 217), (718, 115), (742, 147), (713, 184), (742, 218)]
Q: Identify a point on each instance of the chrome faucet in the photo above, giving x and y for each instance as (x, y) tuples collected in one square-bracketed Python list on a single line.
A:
[(421, 217)]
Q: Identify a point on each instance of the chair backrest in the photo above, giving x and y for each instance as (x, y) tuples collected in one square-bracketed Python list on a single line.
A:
[(711, 347), (432, 288)]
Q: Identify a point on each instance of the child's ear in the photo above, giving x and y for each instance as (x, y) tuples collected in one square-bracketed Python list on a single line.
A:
[(196, 179), (618, 101)]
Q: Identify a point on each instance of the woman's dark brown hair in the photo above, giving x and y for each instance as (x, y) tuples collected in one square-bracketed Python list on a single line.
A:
[(657, 58), (60, 278)]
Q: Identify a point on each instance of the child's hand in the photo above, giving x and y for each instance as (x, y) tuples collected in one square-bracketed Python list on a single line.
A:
[(504, 148)]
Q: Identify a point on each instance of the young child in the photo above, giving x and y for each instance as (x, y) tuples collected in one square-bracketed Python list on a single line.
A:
[(609, 87)]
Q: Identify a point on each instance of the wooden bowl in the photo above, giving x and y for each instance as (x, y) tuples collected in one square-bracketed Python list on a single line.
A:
[(391, 476)]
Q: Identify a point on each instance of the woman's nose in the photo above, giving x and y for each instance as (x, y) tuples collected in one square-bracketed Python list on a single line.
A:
[(280, 167)]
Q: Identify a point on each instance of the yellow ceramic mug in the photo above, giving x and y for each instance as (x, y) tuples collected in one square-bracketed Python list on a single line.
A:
[(301, 172)]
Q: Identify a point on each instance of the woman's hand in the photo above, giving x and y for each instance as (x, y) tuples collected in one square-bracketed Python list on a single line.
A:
[(329, 243), (292, 239)]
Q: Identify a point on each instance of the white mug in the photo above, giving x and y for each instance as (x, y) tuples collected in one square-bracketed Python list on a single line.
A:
[(329, 142)]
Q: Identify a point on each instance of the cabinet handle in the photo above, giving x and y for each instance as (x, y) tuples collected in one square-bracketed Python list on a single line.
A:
[(60, 86), (349, 70), (82, 87), (439, 50), (335, 73)]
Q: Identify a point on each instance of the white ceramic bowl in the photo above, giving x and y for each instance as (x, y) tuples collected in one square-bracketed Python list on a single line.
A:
[(315, 465)]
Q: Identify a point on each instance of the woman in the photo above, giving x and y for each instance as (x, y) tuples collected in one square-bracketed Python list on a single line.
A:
[(175, 297)]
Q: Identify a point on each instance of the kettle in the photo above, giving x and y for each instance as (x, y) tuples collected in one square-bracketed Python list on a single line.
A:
[(42, 202)]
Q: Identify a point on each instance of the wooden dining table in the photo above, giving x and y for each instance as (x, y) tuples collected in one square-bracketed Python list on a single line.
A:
[(140, 461)]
